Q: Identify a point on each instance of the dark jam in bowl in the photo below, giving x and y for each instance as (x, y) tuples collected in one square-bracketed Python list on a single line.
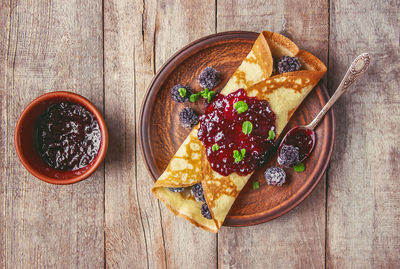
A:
[(222, 124), (67, 136), (302, 138)]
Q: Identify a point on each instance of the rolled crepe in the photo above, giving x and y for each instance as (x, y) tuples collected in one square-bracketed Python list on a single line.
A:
[(190, 166)]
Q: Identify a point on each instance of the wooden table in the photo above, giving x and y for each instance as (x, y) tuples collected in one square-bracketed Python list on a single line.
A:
[(109, 52)]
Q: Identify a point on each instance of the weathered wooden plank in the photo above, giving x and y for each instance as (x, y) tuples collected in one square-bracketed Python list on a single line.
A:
[(364, 191), (140, 231), (177, 24), (296, 240), (47, 46), (133, 227)]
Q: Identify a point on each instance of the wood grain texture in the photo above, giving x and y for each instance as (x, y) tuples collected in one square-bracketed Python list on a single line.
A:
[(48, 46), (296, 240), (140, 231), (177, 24), (134, 235), (364, 188), (58, 45)]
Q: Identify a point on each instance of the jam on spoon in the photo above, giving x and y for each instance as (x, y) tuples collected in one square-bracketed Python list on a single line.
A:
[(300, 140)]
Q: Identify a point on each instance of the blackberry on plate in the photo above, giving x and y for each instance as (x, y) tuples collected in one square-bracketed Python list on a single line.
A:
[(288, 64), (275, 176), (197, 191), (205, 211), (289, 155), (209, 78), (176, 189), (188, 117), (181, 93)]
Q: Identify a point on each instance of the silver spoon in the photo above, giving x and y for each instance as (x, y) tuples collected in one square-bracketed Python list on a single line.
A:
[(305, 135)]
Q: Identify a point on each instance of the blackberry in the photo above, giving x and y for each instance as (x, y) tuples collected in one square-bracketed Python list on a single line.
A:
[(188, 117), (275, 176), (198, 193), (176, 189), (205, 211), (289, 155), (181, 93), (288, 64), (209, 78)]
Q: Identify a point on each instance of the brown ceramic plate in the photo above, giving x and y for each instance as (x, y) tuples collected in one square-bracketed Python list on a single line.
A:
[(161, 133)]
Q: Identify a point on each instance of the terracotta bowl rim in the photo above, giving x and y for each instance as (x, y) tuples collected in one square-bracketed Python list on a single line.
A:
[(81, 101)]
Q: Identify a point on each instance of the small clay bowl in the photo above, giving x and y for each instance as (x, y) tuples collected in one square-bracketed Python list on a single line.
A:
[(25, 145)]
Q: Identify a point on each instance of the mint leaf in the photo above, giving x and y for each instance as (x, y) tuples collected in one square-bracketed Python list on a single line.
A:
[(256, 185), (239, 156), (204, 93), (194, 97), (240, 106), (271, 135), (182, 92), (215, 147), (210, 96), (247, 127), (300, 167)]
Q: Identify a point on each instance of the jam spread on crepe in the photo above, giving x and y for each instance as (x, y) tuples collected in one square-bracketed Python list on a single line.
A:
[(234, 130)]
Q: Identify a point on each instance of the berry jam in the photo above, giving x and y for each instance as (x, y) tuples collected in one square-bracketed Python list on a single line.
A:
[(221, 124), (302, 138), (67, 136)]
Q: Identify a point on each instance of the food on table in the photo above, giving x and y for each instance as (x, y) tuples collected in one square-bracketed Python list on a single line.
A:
[(288, 64), (67, 136), (300, 167), (181, 93), (288, 156), (188, 117), (206, 94), (296, 146), (236, 123), (275, 176), (281, 93), (256, 185), (209, 78), (205, 211), (198, 193)]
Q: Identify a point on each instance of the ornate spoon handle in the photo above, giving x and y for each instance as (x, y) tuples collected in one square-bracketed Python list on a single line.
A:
[(357, 67)]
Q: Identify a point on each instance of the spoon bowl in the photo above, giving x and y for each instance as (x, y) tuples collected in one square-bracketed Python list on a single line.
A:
[(303, 137)]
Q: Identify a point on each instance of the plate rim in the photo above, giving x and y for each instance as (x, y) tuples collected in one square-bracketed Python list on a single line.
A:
[(248, 220)]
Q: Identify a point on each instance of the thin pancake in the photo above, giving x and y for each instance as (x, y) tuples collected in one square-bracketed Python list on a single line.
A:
[(284, 92)]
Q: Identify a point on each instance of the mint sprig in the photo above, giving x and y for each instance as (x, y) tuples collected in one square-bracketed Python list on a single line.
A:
[(239, 155), (210, 96), (300, 167), (182, 92), (256, 185), (271, 135), (247, 127), (215, 147), (194, 97), (206, 94), (240, 106)]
